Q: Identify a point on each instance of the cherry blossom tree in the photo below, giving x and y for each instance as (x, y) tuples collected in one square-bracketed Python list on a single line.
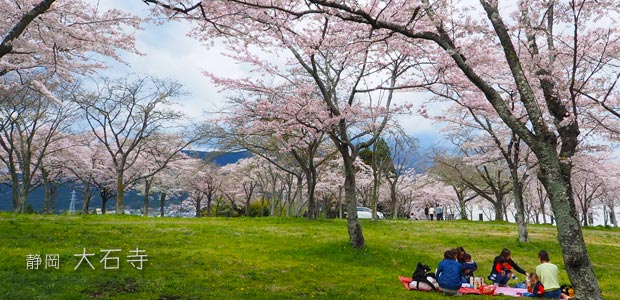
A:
[(378, 157), (202, 181), (53, 171), (40, 38), (278, 136), (488, 180), (128, 117), (498, 142), (403, 149), (403, 192), (241, 182), (171, 181), (336, 70), (29, 124), (610, 201), (89, 167), (452, 178), (591, 173), (536, 203), (428, 190), (330, 183), (159, 151), (610, 192)]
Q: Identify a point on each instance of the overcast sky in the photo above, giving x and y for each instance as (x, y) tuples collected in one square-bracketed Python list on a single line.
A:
[(169, 53)]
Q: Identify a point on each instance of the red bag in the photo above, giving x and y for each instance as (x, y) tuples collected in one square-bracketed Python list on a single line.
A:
[(487, 289)]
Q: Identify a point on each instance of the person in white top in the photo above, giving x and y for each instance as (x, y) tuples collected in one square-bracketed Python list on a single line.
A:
[(548, 275)]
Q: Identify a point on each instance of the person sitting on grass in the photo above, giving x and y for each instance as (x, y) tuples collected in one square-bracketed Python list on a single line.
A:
[(448, 273), (548, 274), (461, 252), (468, 267), (534, 287), (502, 268)]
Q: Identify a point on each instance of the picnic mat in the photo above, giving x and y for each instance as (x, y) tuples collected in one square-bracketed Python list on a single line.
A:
[(507, 291)]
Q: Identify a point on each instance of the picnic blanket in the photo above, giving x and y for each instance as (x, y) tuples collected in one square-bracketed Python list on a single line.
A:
[(507, 291)]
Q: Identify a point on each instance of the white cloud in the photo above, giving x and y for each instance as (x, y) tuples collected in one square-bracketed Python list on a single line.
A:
[(170, 53)]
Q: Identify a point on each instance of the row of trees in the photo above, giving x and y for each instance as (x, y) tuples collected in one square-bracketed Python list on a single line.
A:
[(43, 147), (111, 138)]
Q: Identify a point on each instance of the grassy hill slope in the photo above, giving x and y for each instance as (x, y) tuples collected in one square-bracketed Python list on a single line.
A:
[(261, 258)]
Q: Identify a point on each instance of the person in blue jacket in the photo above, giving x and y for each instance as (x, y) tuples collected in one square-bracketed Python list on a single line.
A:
[(448, 273)]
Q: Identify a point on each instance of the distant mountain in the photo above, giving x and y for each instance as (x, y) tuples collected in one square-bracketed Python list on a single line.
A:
[(231, 157), (219, 158)]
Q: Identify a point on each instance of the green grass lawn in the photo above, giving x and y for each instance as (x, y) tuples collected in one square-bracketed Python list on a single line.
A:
[(261, 258)]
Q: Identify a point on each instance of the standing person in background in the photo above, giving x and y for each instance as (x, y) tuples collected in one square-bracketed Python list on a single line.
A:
[(431, 212), (502, 268), (439, 212), (548, 276), (426, 213)]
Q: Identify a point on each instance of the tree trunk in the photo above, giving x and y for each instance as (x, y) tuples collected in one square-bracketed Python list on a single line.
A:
[(17, 189), (298, 194), (541, 201), (584, 214), (104, 202), (147, 192), (86, 203), (120, 193), (247, 205), (394, 199), (162, 198), (198, 203), (375, 191), (517, 191), (46, 193), (52, 194), (463, 211), (86, 198), (498, 207), (283, 200), (612, 216), (273, 201), (310, 180), (19, 202), (556, 180), (209, 201), (356, 235), (460, 195)]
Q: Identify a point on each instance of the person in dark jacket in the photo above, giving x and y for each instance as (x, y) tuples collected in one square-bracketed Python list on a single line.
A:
[(468, 267), (503, 266), (535, 287), (448, 273)]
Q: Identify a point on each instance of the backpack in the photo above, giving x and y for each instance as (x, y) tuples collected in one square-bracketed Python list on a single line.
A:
[(422, 274)]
